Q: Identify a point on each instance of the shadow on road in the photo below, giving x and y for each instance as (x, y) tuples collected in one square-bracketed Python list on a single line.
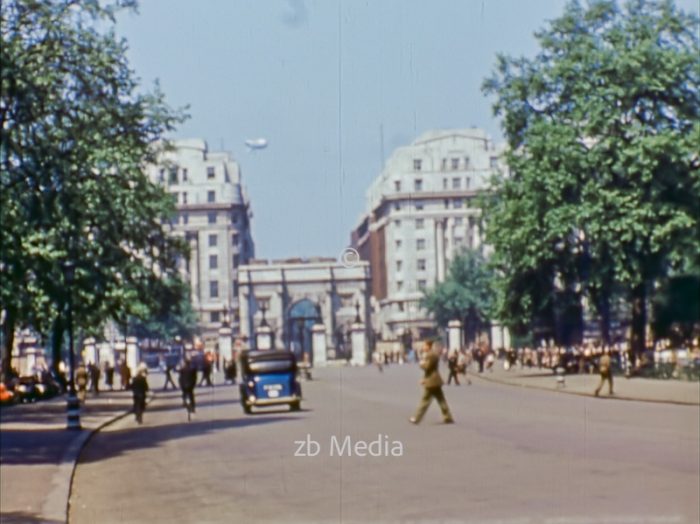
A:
[(20, 517), (114, 443), (33, 446)]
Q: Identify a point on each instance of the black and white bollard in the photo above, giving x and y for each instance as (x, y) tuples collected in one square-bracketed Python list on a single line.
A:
[(73, 411)]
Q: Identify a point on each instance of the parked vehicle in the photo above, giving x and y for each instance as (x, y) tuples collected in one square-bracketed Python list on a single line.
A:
[(7, 396), (25, 389), (269, 378)]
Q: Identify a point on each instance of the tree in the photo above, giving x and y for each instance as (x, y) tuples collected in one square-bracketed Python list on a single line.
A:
[(75, 136), (466, 294), (604, 180)]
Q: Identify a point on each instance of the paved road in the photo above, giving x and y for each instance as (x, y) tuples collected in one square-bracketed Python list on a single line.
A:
[(514, 455)]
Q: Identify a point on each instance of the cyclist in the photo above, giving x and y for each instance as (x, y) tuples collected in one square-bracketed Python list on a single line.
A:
[(188, 380)]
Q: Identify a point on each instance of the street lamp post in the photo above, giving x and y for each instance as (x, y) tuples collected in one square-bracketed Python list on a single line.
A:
[(72, 403)]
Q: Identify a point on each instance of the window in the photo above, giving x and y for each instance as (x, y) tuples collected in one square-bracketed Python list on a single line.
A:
[(398, 244), (418, 184), (234, 239), (420, 223), (234, 218), (468, 181), (422, 284), (399, 263), (214, 316), (397, 185), (417, 164), (399, 285), (456, 183), (400, 306), (444, 183), (173, 176), (184, 175), (420, 264), (397, 206), (420, 244), (211, 196), (444, 164), (236, 260), (211, 218), (213, 240), (447, 204), (213, 289), (211, 173), (419, 206), (493, 162), (455, 164), (184, 198), (457, 204), (173, 195), (213, 262), (458, 221), (161, 176), (466, 162), (185, 218)]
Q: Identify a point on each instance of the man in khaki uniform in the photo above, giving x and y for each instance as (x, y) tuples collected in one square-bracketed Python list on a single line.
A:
[(605, 368), (432, 386)]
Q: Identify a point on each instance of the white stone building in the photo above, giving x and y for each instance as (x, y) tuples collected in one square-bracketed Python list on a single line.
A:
[(420, 212), (213, 214), (298, 294)]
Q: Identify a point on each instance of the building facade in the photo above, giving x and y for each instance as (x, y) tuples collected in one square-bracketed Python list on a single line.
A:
[(214, 216), (294, 295), (420, 212)]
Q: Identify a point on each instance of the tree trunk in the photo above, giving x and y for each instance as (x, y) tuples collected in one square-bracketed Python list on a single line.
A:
[(639, 321), (8, 337)]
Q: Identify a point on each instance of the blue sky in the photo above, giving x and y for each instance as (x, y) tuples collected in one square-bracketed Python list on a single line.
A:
[(319, 79)]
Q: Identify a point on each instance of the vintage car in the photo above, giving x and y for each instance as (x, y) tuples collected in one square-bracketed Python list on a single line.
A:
[(269, 378)]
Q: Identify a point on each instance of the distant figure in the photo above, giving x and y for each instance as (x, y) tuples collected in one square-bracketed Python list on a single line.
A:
[(230, 370), (94, 371), (168, 376), (605, 369), (463, 364), (206, 372), (379, 361), (188, 380), (432, 385), (453, 367), (139, 388), (81, 382), (125, 374)]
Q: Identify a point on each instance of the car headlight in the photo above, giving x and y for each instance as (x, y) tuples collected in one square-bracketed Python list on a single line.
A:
[(251, 384)]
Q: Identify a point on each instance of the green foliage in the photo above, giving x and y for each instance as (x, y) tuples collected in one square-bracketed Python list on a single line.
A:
[(76, 133), (604, 184), (467, 291)]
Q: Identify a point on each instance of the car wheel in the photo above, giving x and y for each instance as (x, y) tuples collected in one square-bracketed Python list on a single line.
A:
[(247, 409), (295, 406)]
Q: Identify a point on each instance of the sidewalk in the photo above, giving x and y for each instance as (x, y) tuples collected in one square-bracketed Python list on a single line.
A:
[(642, 389), (38, 455)]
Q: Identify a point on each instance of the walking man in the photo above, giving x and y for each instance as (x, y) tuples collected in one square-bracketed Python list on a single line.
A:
[(81, 381), (605, 369), (168, 376), (453, 367), (139, 388), (188, 380), (432, 385)]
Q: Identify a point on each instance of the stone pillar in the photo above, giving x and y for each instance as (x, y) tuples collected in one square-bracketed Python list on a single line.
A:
[(30, 360), (263, 338), (133, 354), (454, 335), (225, 350), (318, 343), (359, 344), (90, 351), (440, 249)]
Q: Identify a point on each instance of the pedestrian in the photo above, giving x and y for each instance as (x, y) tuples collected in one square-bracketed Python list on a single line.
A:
[(125, 374), (432, 385), (81, 382), (206, 372), (139, 388), (463, 364), (188, 380), (452, 366), (94, 371), (378, 360), (169, 367), (230, 370), (605, 369)]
